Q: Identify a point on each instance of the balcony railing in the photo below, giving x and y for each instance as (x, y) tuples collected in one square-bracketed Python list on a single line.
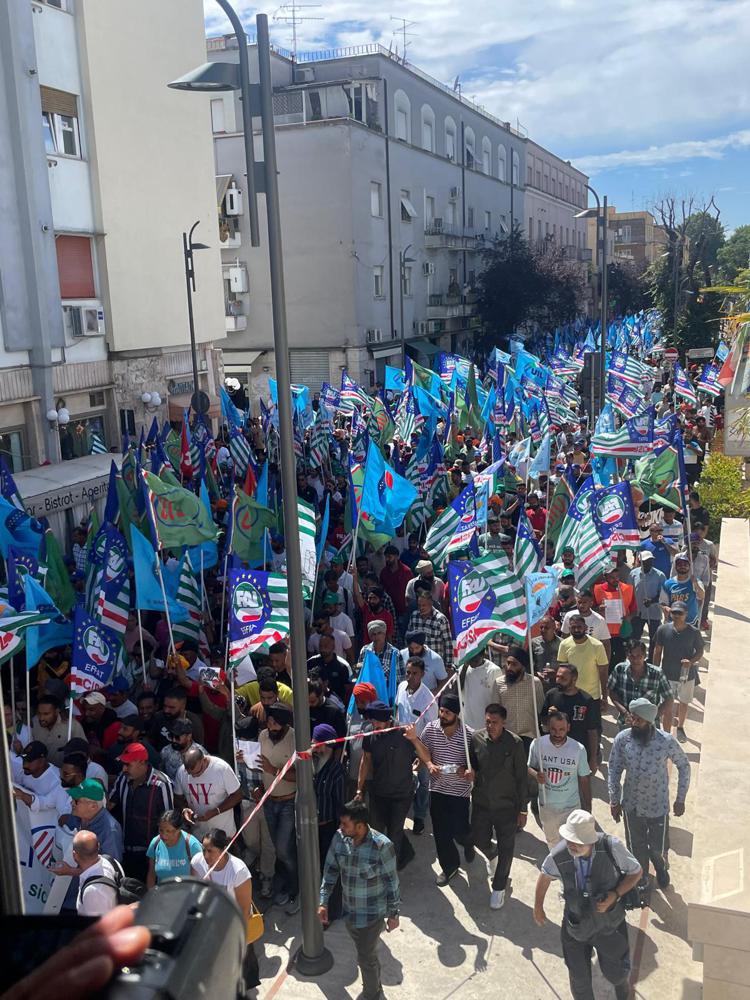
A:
[(451, 236), (445, 305)]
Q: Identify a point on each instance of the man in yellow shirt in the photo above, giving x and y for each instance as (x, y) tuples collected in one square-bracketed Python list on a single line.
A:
[(263, 693), (590, 658)]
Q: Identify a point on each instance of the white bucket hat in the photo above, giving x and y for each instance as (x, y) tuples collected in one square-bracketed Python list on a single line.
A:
[(579, 828)]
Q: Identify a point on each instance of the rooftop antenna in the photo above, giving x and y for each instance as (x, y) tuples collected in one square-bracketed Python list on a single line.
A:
[(404, 34), (288, 13), (457, 87)]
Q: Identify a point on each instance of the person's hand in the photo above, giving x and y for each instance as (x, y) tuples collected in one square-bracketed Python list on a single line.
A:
[(256, 794), (239, 756), (21, 795), (467, 773), (323, 915), (391, 923), (17, 745), (521, 820), (433, 770), (602, 905), (415, 765), (540, 916), (410, 732), (62, 868), (359, 795), (85, 966), (64, 819), (267, 766), (258, 712), (540, 777), (616, 810), (678, 808), (685, 663), (188, 814)]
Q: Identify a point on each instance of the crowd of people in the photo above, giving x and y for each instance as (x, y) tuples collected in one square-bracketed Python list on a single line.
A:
[(154, 775)]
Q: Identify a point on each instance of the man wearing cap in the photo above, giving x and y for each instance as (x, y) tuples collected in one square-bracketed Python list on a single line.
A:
[(386, 772), (131, 728), (117, 696), (385, 652), (49, 727), (642, 752), (322, 625), (180, 740), (39, 776), (636, 678), (648, 581), (329, 781), (596, 870), (442, 749), (567, 561), (683, 586), (100, 724), (79, 745), (434, 668), (434, 624), (139, 796), (174, 707), (276, 749), (660, 548), (491, 538)]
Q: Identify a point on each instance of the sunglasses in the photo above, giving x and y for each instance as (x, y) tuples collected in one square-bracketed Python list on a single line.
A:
[(678, 613)]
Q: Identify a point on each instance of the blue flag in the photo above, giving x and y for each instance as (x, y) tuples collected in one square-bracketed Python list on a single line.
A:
[(395, 379), (615, 517), (19, 530), (58, 632), (321, 544), (209, 550), (540, 463), (95, 651), (8, 488), (386, 496), (472, 607), (19, 566), (371, 673), (541, 589), (148, 594)]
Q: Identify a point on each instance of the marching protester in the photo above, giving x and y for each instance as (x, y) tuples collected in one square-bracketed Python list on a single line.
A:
[(140, 795), (561, 768), (415, 704), (678, 650), (636, 678)]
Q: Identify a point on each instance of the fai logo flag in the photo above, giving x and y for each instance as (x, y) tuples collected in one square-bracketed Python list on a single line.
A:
[(615, 517), (625, 399), (472, 606), (709, 380), (258, 612), (541, 589), (94, 654), (683, 386), (634, 439)]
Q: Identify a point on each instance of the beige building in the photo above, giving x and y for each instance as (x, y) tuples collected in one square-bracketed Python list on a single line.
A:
[(634, 237), (93, 206)]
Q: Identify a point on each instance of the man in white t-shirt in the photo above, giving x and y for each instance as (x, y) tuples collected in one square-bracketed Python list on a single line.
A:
[(478, 679), (207, 790), (560, 766), (94, 900), (595, 623)]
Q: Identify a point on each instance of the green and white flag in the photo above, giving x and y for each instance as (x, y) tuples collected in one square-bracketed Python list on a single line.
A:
[(12, 631), (189, 596), (307, 529), (258, 612), (510, 602)]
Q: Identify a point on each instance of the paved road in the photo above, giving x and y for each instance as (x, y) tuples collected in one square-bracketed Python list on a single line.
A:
[(451, 944)]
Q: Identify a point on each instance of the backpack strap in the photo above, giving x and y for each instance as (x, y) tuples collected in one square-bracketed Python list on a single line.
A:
[(100, 880)]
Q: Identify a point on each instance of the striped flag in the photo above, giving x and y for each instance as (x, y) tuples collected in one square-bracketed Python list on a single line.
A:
[(455, 528), (12, 631), (352, 394), (258, 612), (625, 399), (527, 556), (188, 595), (113, 602), (592, 552), (634, 439), (709, 380), (319, 438), (683, 386), (510, 607), (97, 447), (307, 529), (239, 449), (626, 367), (577, 508), (406, 417), (472, 605)]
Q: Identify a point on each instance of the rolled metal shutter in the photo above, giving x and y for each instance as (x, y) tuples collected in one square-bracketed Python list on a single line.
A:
[(310, 368)]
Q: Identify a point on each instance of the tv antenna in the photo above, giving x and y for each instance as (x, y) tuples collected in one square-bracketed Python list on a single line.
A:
[(288, 13), (405, 33)]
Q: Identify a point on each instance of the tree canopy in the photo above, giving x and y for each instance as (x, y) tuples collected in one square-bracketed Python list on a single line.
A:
[(734, 256)]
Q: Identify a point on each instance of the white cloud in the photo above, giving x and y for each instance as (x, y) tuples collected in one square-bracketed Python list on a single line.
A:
[(672, 152)]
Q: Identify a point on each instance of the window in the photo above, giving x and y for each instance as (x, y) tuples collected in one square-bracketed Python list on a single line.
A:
[(77, 437), (546, 229), (406, 281), (450, 213), (376, 199), (501, 162), (59, 4), (624, 234), (127, 422), (428, 128), (470, 217), (408, 211), (487, 221), (450, 139), (516, 168), (486, 156), (539, 179), (403, 116), (531, 228), (217, 115), (60, 122), (554, 230), (377, 281), (13, 449), (471, 278), (469, 148), (539, 230), (75, 267), (545, 183), (429, 209)]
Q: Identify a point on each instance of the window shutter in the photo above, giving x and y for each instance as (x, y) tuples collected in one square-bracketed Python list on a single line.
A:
[(75, 267), (58, 102)]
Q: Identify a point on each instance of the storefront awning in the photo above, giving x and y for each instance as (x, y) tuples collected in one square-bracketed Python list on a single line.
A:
[(240, 361), (51, 489), (386, 350), (425, 346)]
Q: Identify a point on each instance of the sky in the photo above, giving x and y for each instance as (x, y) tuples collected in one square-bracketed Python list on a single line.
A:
[(649, 97)]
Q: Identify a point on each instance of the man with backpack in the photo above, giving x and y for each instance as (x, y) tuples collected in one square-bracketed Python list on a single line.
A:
[(596, 872), (97, 886)]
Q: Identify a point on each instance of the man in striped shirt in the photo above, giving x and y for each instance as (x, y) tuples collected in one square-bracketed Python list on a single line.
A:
[(442, 748)]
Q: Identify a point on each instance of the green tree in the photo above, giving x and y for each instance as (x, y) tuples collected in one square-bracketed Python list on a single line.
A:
[(524, 286), (705, 235), (734, 256), (627, 289)]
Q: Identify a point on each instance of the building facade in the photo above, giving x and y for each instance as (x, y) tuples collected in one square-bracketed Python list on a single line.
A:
[(392, 187), (107, 167), (638, 239)]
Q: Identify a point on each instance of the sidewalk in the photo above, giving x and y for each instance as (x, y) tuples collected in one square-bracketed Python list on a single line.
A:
[(451, 944)]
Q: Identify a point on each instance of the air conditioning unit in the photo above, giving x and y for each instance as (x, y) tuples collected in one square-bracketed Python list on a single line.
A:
[(233, 201), (374, 335), (428, 268), (455, 193), (238, 279), (304, 74), (83, 321)]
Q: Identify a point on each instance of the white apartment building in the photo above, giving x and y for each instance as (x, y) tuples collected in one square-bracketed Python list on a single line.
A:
[(554, 193), (106, 168)]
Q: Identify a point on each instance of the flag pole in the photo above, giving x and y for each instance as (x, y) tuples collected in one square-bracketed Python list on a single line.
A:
[(233, 705), (12, 691), (143, 650), (28, 700), (223, 597), (166, 604), (533, 697), (463, 718), (70, 717)]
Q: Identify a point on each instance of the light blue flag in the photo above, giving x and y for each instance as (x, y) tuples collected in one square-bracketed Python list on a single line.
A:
[(386, 496), (232, 416), (395, 379), (603, 470), (371, 673), (540, 463), (148, 595), (261, 490), (541, 589), (58, 632), (605, 423)]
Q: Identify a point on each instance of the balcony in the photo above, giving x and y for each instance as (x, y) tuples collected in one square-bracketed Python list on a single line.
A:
[(444, 306), (439, 235), (235, 319), (230, 234)]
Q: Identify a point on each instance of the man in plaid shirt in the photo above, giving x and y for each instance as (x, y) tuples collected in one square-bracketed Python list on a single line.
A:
[(434, 624), (365, 861), (635, 678)]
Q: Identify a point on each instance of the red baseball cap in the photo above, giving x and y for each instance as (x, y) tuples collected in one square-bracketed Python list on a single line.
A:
[(133, 751)]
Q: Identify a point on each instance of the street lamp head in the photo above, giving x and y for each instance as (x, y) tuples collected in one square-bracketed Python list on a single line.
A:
[(213, 76), (199, 246), (587, 213)]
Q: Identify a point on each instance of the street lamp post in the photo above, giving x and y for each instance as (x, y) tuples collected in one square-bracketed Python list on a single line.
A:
[(403, 260), (187, 252), (601, 228), (313, 959)]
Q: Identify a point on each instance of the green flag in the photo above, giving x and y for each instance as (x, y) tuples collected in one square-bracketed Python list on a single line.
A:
[(659, 478), (250, 520), (56, 580), (173, 448), (178, 518)]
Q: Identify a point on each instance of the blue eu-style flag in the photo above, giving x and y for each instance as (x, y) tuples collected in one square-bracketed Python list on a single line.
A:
[(95, 649), (19, 566), (19, 530)]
